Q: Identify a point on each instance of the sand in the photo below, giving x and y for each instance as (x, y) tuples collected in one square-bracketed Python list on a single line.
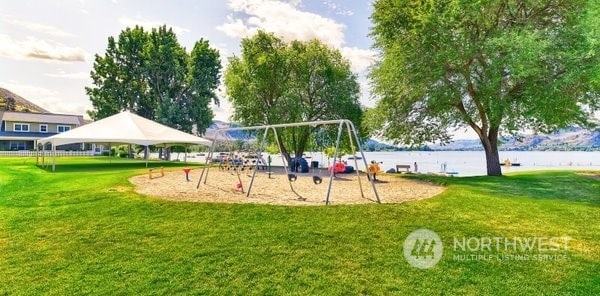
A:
[(222, 187)]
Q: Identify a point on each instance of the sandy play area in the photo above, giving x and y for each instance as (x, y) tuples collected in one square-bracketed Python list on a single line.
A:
[(222, 187)]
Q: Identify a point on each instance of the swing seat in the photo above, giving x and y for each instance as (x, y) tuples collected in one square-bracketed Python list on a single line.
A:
[(292, 177), (317, 180)]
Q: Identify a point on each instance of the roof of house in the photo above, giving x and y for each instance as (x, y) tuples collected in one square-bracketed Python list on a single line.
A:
[(24, 136), (41, 117)]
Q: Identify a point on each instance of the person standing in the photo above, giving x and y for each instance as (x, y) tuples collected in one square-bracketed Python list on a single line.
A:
[(374, 169)]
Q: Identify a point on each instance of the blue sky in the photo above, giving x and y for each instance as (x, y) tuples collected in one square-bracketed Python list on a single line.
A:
[(47, 47)]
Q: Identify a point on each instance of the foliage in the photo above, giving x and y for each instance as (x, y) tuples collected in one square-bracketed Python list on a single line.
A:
[(276, 82), (85, 222), (495, 66), (152, 75)]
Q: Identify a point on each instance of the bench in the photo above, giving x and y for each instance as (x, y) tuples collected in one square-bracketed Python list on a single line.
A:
[(403, 166)]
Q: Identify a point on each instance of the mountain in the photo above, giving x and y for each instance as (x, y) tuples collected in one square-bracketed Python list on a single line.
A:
[(574, 138), (568, 139), (10, 101), (227, 136), (372, 145)]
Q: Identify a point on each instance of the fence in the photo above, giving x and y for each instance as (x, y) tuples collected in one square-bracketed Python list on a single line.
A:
[(59, 153)]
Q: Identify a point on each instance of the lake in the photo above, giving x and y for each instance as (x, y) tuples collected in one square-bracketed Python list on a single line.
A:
[(465, 163)]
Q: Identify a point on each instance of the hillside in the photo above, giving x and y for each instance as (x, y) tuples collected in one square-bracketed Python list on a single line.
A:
[(228, 136), (10, 101), (574, 138), (569, 139)]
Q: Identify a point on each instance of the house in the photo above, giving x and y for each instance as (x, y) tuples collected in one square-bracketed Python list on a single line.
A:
[(20, 130)]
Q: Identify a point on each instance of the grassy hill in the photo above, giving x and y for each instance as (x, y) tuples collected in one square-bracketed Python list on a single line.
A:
[(10, 101)]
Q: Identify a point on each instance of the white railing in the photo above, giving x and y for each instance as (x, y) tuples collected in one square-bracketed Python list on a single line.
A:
[(59, 153)]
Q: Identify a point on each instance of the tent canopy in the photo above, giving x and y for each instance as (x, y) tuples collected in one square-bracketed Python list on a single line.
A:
[(125, 128)]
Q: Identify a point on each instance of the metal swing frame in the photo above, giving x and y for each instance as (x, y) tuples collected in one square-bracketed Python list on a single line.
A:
[(352, 137)]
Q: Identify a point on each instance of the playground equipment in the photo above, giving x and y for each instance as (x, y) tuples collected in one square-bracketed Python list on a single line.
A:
[(352, 137), (160, 170), (187, 174)]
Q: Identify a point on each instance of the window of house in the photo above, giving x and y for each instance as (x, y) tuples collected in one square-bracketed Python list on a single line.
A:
[(17, 145), (43, 128), (63, 128), (21, 127)]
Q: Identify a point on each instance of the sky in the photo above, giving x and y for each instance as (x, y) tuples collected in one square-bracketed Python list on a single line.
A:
[(47, 47)]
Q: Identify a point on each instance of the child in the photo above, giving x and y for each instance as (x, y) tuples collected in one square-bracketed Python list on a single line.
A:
[(374, 169)]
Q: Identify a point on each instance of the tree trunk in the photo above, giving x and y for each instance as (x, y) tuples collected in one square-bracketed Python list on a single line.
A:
[(283, 150), (302, 141), (490, 145), (167, 153)]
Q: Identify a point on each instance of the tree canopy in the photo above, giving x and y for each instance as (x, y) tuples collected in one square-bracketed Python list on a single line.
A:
[(496, 66), (152, 75), (277, 82)]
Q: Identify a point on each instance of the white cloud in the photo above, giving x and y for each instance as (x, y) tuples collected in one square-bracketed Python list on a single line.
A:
[(283, 19), (149, 24), (337, 10), (62, 74), (236, 28), (360, 59), (224, 111), (287, 21), (35, 48), (36, 27)]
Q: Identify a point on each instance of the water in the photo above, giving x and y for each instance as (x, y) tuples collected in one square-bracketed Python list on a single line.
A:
[(464, 163)]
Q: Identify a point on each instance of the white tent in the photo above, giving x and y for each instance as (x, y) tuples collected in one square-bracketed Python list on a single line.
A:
[(125, 128)]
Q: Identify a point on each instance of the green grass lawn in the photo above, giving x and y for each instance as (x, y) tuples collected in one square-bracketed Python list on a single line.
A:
[(83, 230)]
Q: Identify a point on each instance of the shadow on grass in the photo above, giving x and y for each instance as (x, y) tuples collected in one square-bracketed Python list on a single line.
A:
[(559, 185)]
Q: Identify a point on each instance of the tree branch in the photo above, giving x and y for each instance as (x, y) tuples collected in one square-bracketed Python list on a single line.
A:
[(473, 94), (461, 108)]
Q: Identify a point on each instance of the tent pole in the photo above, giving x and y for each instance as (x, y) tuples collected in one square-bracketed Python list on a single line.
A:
[(44, 156), (53, 157), (147, 155), (37, 153)]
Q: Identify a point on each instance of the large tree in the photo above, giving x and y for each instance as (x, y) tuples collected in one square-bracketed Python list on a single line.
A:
[(496, 66), (276, 82), (151, 74)]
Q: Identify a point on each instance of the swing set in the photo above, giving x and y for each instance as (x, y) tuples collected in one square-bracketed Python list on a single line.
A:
[(291, 176)]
